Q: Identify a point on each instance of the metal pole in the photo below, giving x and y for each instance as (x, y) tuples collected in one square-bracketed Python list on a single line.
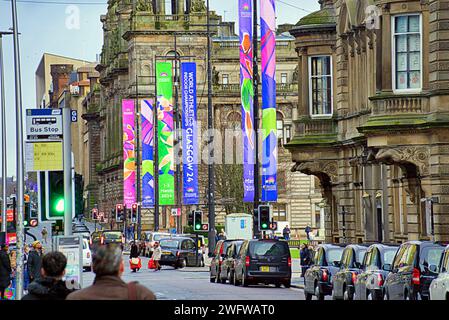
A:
[(4, 157), (177, 135), (19, 157), (344, 224), (67, 156), (432, 223), (156, 153), (138, 164), (256, 113), (210, 120)]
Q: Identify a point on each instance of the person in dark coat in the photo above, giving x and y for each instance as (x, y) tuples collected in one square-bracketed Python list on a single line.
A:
[(134, 252), (50, 286), (5, 270), (306, 259), (35, 261)]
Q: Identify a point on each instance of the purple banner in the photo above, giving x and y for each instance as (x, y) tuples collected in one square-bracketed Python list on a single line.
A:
[(147, 112), (247, 94), (269, 145), (129, 160)]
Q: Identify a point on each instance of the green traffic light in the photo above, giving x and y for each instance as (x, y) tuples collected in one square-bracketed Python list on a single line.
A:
[(198, 227), (264, 225), (59, 207)]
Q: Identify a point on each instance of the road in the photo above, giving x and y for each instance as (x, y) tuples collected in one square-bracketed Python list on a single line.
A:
[(194, 284)]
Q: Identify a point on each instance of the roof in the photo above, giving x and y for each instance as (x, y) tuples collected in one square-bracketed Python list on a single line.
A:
[(325, 16)]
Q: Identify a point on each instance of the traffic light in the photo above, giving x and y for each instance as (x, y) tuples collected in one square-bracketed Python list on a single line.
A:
[(56, 194), (29, 221), (95, 214), (190, 218), (134, 210), (119, 213), (264, 217), (197, 220)]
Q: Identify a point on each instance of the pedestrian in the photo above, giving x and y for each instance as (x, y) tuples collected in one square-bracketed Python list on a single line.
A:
[(308, 230), (157, 254), (306, 259), (26, 276), (108, 267), (50, 286), (35, 261), (142, 247), (44, 233), (5, 270), (222, 235), (286, 232), (134, 254)]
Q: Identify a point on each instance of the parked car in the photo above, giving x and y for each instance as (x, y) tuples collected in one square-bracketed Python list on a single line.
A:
[(113, 238), (370, 281), (84, 233), (150, 237), (201, 240), (180, 252), (317, 278), (351, 264), (87, 255), (227, 270), (439, 288), (263, 261), (415, 266), (217, 259)]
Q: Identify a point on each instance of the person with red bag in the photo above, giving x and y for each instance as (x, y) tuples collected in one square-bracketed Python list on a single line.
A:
[(157, 254), (134, 261)]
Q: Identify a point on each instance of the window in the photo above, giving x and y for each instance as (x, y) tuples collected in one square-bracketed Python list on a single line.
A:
[(407, 52), (320, 84), (283, 78), (280, 212), (225, 79)]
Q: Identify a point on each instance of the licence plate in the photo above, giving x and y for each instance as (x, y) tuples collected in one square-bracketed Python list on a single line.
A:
[(166, 253), (265, 269)]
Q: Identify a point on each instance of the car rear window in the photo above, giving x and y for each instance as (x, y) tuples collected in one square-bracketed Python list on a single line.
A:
[(170, 243), (389, 256), (361, 255), (260, 248), (84, 244), (431, 256), (113, 235), (226, 245), (333, 255)]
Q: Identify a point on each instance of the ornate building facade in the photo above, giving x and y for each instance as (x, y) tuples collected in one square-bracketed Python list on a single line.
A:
[(135, 37), (373, 117)]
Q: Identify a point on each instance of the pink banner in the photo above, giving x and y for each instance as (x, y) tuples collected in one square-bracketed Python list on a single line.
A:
[(129, 159)]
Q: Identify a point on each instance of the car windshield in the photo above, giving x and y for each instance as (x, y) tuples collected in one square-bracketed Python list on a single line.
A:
[(333, 255), (431, 256), (113, 235), (95, 236), (260, 248), (158, 237), (169, 243), (389, 256)]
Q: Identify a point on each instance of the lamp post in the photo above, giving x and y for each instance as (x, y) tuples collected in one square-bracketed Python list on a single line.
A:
[(343, 215), (3, 112)]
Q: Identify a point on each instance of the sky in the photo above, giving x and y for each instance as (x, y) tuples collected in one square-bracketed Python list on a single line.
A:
[(48, 26)]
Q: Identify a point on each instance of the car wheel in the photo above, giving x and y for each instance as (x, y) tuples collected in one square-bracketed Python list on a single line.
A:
[(236, 282), (223, 281), (318, 294), (288, 284), (229, 277), (183, 264), (277, 284)]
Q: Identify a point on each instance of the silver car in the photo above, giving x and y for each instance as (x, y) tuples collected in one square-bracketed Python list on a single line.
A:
[(439, 288)]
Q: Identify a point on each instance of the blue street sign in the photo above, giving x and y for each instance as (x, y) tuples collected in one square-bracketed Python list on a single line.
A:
[(173, 230), (74, 116), (242, 224), (43, 112)]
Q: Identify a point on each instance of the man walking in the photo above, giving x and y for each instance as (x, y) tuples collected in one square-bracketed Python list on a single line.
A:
[(157, 255), (286, 233), (306, 259), (50, 286), (5, 270), (44, 233), (35, 262), (108, 267), (308, 230)]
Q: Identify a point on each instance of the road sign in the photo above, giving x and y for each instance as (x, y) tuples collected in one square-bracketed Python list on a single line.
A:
[(43, 156), (74, 116), (205, 227), (44, 123), (176, 212)]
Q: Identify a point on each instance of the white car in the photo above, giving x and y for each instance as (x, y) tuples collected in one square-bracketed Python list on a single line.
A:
[(87, 255), (439, 288), (150, 238)]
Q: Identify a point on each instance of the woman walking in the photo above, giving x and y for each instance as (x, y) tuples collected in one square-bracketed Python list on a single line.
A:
[(157, 254), (134, 257)]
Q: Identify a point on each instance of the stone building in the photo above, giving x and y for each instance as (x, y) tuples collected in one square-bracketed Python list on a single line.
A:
[(133, 38), (373, 117)]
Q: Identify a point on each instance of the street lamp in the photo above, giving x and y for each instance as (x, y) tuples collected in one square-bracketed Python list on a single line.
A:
[(343, 214)]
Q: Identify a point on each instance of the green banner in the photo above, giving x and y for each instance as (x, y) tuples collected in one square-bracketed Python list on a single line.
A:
[(164, 81)]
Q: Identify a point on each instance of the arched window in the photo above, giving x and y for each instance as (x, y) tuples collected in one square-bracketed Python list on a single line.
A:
[(234, 120)]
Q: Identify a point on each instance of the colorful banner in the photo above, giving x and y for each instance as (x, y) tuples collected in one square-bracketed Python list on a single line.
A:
[(147, 113), (189, 133), (247, 94), (129, 160), (164, 82), (269, 146)]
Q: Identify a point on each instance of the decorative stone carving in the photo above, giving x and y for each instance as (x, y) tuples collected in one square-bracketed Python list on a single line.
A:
[(418, 156), (318, 168), (215, 76), (198, 6), (295, 77), (144, 5)]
